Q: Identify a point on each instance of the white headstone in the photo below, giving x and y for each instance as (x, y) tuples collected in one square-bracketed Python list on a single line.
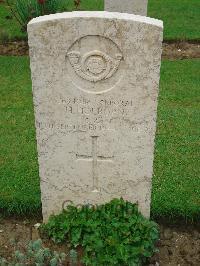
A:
[(95, 79), (137, 7)]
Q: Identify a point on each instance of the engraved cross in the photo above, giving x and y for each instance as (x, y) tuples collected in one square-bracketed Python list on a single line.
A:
[(94, 158)]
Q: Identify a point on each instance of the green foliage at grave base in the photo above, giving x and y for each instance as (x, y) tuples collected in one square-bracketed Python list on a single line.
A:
[(34, 254), (114, 233)]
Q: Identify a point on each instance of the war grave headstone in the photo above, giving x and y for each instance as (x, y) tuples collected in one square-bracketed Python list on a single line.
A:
[(95, 78), (137, 7)]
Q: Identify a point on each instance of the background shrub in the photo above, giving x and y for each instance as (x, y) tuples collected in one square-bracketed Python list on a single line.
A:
[(25, 10)]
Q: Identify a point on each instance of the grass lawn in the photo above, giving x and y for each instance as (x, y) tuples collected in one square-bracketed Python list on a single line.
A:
[(19, 180), (176, 184), (181, 18)]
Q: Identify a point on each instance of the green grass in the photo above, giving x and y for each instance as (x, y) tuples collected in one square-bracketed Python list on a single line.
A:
[(19, 180), (176, 184), (9, 28), (181, 18)]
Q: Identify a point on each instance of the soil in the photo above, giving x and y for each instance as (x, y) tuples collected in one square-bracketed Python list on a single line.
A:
[(175, 50), (181, 50), (178, 245), (17, 48)]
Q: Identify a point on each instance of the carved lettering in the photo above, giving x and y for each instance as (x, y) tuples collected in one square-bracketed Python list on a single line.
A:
[(92, 116)]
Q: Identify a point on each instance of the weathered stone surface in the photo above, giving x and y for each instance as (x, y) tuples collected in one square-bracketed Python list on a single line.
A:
[(137, 7), (95, 82)]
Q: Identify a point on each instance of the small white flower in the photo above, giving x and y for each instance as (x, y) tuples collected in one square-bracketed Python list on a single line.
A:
[(37, 225)]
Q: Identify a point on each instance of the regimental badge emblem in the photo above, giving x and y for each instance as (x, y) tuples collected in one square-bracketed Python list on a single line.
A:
[(94, 58), (95, 65)]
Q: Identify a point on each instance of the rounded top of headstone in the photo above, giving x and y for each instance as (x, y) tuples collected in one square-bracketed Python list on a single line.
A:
[(97, 14)]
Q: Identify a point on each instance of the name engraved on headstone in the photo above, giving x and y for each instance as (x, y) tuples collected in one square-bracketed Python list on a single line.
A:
[(94, 114), (102, 107)]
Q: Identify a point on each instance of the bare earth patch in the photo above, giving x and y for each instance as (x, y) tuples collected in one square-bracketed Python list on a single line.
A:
[(17, 48), (181, 50), (178, 245), (175, 50)]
